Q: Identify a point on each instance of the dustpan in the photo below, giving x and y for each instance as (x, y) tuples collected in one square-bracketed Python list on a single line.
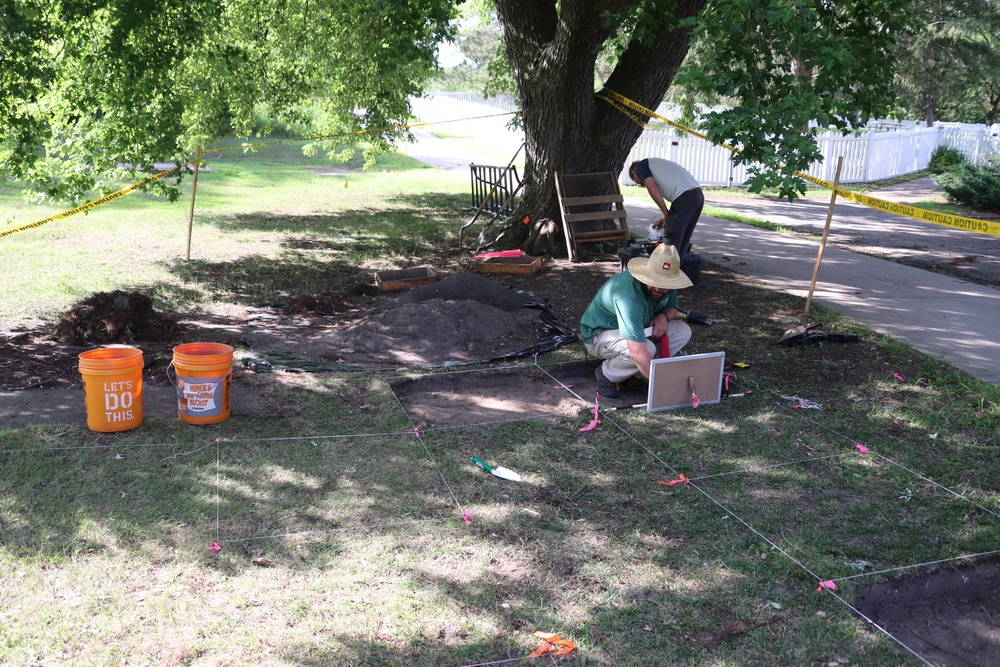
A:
[(803, 334), (798, 334)]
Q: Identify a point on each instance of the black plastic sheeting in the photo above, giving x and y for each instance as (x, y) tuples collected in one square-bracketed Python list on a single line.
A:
[(551, 335)]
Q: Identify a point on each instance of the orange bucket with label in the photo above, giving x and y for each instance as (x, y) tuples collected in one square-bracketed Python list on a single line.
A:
[(204, 380), (112, 388)]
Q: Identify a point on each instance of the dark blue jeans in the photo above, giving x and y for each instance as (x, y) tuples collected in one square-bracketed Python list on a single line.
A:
[(684, 214)]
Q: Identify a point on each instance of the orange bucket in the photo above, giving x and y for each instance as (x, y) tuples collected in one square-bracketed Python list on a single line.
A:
[(112, 388), (204, 379)]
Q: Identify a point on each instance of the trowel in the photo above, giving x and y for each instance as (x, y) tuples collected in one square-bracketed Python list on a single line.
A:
[(497, 470)]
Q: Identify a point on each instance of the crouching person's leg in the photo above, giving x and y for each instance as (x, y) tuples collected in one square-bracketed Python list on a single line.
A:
[(618, 366), (679, 334)]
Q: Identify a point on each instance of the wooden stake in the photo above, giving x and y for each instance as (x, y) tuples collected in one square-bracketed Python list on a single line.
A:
[(826, 231), (194, 192)]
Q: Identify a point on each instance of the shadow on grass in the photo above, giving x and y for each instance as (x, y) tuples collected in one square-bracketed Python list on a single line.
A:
[(641, 574), (321, 254)]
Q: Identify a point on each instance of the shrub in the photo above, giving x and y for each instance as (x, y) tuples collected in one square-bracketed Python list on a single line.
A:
[(978, 187), (944, 158)]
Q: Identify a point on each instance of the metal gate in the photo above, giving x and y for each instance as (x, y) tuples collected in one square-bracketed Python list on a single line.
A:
[(494, 186)]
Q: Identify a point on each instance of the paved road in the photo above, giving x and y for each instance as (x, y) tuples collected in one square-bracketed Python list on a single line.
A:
[(948, 318), (859, 228)]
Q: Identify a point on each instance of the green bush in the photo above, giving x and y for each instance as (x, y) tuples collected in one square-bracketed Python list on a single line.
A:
[(978, 187), (944, 158)]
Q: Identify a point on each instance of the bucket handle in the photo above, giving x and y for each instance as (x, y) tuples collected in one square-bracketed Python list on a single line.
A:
[(173, 380)]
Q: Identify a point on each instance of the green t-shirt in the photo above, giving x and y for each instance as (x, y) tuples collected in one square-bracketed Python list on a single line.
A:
[(623, 304)]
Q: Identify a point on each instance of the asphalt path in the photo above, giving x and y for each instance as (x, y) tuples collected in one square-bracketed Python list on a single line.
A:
[(862, 229)]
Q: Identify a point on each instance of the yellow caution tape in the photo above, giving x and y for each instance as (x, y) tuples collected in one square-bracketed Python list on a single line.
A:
[(94, 203), (922, 214), (135, 186), (612, 96)]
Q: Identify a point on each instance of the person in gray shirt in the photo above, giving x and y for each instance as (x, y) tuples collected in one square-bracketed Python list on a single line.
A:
[(667, 181)]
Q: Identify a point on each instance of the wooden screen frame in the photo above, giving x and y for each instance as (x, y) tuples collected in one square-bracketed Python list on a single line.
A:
[(670, 380)]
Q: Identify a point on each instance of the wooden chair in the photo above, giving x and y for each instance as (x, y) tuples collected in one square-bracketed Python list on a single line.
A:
[(591, 208)]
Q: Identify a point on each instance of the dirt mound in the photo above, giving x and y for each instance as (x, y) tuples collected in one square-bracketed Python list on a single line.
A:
[(114, 317), (461, 319), (433, 332), (467, 287)]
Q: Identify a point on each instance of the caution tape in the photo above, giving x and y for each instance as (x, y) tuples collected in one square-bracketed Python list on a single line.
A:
[(990, 228), (246, 146), (618, 101), (94, 203), (914, 212)]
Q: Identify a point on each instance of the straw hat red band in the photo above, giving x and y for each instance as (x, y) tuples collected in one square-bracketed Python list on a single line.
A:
[(661, 269)]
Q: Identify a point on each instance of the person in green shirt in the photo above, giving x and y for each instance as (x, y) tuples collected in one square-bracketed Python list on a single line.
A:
[(613, 326)]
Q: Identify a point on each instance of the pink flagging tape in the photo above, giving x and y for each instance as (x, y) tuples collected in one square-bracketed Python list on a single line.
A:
[(596, 420)]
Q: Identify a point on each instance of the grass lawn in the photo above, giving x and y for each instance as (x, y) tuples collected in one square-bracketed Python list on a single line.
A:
[(348, 538)]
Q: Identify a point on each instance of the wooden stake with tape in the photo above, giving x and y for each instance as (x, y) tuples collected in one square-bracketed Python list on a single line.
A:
[(194, 191), (826, 231)]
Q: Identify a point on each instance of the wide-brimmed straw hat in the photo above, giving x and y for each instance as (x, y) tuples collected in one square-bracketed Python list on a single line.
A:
[(661, 269)]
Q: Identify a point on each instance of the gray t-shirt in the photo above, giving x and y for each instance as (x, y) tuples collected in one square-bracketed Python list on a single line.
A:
[(672, 179)]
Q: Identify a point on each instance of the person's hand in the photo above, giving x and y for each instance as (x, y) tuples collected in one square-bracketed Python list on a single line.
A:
[(659, 223), (659, 324)]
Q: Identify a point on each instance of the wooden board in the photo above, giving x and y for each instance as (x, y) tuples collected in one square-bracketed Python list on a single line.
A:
[(670, 380), (388, 281), (522, 264)]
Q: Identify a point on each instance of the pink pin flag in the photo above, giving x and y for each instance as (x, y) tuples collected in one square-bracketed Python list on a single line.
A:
[(726, 377), (596, 420), (861, 448), (829, 585), (467, 517), (215, 546), (898, 377), (416, 430), (695, 402)]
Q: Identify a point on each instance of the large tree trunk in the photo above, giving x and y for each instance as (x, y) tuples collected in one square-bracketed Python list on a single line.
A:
[(929, 109), (567, 128)]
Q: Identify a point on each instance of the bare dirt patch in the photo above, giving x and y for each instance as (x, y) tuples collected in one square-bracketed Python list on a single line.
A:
[(483, 397), (950, 617)]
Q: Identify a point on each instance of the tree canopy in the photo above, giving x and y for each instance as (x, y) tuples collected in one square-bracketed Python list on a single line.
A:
[(90, 90), (94, 87), (949, 61)]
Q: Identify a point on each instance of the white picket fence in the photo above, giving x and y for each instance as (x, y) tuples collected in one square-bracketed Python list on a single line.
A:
[(869, 156), (505, 102), (883, 150)]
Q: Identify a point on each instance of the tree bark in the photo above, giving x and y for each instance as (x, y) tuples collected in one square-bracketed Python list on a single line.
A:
[(929, 109), (993, 101), (568, 129)]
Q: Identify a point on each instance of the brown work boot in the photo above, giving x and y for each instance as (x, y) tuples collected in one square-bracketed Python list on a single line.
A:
[(606, 387), (636, 383)]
